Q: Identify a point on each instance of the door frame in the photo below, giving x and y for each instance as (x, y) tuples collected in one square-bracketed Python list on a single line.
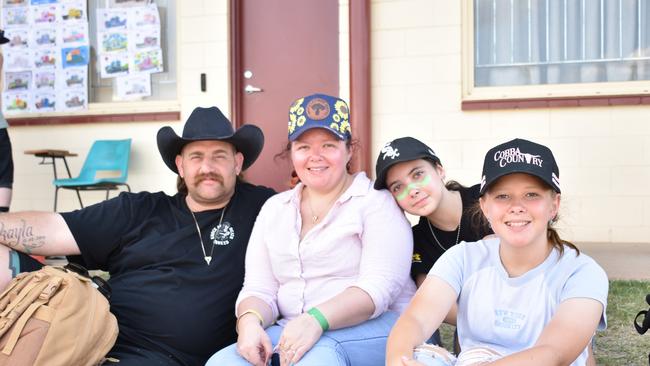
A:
[(360, 98)]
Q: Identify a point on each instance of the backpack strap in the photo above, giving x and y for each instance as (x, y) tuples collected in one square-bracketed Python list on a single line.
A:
[(20, 324)]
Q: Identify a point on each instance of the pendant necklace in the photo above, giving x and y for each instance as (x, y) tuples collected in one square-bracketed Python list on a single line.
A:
[(314, 217), (208, 258), (436, 239)]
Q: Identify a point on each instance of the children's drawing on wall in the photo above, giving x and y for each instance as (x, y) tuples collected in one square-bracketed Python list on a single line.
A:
[(133, 87), (45, 81), (44, 102), (17, 81), (45, 37)]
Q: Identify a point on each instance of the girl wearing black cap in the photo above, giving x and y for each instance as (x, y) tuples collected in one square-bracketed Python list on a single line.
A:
[(523, 297), (414, 175)]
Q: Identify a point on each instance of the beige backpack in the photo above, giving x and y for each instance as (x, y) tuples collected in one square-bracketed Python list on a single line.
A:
[(55, 317)]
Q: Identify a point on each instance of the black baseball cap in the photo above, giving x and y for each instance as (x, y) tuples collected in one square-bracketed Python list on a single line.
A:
[(520, 156), (398, 151)]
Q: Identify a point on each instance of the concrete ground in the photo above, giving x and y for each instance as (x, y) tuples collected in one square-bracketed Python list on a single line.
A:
[(630, 261)]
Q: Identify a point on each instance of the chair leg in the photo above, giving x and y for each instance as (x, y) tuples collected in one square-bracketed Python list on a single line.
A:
[(56, 196), (79, 197), (107, 193)]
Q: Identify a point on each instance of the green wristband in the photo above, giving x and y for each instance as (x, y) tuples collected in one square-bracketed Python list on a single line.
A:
[(320, 318)]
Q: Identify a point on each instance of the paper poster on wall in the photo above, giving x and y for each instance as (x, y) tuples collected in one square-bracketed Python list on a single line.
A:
[(41, 2), (144, 39), (15, 16), (45, 58), (74, 78), (6, 3), (146, 16), (114, 64), (18, 38), (115, 41), (75, 56), (73, 100), (73, 35), (73, 12), (44, 14), (45, 81), (18, 60), (18, 81), (149, 61), (16, 102), (44, 102), (136, 31), (46, 37), (127, 3), (133, 86), (111, 19)]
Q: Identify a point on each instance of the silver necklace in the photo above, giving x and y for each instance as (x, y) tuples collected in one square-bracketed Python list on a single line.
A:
[(436, 239), (208, 258)]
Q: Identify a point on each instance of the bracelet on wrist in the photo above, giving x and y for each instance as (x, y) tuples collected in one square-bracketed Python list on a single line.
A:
[(249, 311), (320, 318)]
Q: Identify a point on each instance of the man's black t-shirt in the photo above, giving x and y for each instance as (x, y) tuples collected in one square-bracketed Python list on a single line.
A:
[(164, 295), (426, 250)]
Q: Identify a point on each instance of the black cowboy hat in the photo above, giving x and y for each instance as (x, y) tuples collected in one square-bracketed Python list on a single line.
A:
[(3, 39), (210, 124)]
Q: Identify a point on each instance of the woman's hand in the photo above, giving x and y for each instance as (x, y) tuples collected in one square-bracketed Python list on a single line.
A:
[(298, 337), (253, 343)]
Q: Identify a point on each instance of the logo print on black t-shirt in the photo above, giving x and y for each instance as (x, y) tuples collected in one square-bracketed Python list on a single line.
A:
[(222, 234)]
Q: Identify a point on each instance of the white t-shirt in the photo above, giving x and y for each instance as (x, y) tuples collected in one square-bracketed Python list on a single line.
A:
[(508, 314)]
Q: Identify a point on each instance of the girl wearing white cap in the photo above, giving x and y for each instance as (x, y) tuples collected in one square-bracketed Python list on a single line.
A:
[(525, 296)]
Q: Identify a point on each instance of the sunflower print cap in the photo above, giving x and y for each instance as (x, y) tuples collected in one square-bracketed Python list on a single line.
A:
[(319, 111)]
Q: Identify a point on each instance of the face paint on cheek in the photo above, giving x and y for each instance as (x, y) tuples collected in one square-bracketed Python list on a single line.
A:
[(413, 185)]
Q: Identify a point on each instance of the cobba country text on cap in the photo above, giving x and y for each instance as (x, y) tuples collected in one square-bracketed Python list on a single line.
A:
[(520, 156)]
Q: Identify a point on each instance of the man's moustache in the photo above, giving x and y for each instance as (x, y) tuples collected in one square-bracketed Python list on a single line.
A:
[(214, 177)]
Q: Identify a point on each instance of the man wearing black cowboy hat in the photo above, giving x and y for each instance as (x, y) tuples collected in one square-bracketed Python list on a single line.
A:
[(176, 263)]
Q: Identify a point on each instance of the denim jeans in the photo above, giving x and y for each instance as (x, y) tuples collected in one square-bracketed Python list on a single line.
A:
[(359, 345)]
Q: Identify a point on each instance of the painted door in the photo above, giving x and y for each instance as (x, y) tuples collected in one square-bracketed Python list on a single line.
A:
[(285, 49)]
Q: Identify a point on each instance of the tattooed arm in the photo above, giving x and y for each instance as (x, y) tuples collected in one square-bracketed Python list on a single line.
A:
[(37, 232)]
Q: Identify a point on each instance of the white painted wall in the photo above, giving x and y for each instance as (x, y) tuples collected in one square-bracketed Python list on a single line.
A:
[(603, 152)]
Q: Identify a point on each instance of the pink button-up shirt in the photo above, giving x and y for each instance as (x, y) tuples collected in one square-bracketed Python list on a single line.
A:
[(364, 241)]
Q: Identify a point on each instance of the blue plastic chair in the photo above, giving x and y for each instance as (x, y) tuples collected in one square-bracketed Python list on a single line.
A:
[(105, 157)]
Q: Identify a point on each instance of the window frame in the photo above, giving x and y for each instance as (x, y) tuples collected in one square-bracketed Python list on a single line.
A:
[(604, 93)]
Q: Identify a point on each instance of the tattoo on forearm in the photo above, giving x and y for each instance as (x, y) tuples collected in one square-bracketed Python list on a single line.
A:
[(20, 237)]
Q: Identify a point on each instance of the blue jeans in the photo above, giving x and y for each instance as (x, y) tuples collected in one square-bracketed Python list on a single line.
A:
[(359, 345)]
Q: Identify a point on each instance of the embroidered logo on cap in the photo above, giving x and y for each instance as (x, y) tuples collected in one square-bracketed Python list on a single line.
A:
[(222, 234), (389, 152), (318, 109), (513, 155)]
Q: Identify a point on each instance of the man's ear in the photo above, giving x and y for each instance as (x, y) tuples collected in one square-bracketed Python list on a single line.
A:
[(179, 166), (239, 162)]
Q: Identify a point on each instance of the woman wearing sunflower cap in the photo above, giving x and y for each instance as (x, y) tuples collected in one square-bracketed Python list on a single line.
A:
[(327, 265)]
